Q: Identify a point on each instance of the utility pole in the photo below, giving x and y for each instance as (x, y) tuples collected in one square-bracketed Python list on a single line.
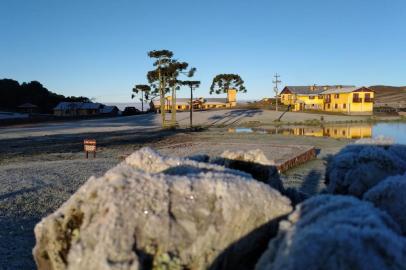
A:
[(275, 89), (191, 107), (192, 85)]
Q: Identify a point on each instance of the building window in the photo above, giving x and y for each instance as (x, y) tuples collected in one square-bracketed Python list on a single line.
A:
[(368, 97), (336, 96), (311, 97), (344, 106), (328, 106), (356, 98), (335, 106)]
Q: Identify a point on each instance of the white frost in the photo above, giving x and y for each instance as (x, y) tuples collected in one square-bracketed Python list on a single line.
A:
[(336, 232), (357, 168), (390, 196)]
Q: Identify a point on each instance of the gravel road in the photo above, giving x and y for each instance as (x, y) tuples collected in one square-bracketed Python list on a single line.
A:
[(147, 122)]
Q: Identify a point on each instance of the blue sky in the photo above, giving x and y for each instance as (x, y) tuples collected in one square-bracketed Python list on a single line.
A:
[(99, 48)]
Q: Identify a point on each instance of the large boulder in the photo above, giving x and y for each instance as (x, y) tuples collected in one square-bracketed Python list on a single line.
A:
[(336, 232), (390, 196), (162, 213), (357, 168)]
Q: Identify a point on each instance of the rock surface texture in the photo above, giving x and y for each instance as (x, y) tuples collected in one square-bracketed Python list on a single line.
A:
[(336, 232), (357, 168), (390, 196), (163, 213), (253, 162)]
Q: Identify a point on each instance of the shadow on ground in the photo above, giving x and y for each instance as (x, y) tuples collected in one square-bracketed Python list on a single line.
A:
[(232, 117)]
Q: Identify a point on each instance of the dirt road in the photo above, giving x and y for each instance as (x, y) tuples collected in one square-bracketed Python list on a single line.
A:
[(148, 122)]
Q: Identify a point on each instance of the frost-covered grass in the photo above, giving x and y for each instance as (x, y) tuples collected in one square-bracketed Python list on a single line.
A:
[(30, 191)]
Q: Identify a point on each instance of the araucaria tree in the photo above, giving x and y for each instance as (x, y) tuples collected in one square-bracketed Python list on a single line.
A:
[(192, 85), (164, 78), (224, 82), (144, 90), (157, 77), (173, 70)]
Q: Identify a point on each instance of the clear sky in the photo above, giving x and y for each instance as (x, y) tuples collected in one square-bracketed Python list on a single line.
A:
[(98, 48)]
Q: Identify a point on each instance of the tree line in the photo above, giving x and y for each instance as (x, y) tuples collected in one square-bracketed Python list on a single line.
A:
[(14, 94), (169, 75)]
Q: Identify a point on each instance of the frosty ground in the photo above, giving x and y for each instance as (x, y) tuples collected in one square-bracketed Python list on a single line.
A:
[(42, 165)]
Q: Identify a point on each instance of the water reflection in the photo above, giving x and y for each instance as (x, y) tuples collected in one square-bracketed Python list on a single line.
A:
[(343, 131), (395, 131)]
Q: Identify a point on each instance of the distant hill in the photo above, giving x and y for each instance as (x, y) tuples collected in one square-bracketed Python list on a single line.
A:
[(390, 95), (14, 94)]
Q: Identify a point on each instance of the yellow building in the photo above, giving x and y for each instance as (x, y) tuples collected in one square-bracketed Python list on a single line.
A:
[(351, 100), (309, 96), (183, 104), (342, 99)]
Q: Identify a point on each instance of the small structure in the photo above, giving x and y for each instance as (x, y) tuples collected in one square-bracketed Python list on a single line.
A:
[(110, 110), (89, 108), (28, 108), (77, 109)]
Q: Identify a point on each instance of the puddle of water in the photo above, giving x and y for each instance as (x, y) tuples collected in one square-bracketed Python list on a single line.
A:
[(395, 131)]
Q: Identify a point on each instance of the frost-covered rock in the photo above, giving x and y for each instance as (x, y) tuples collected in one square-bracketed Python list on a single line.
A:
[(254, 156), (357, 168), (253, 162), (390, 196), (336, 232), (161, 212)]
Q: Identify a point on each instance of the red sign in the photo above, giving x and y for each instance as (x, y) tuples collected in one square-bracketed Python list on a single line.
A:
[(90, 146)]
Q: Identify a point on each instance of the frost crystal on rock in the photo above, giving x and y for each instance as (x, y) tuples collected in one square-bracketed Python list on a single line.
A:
[(390, 196), (159, 212), (357, 168), (336, 232), (253, 162)]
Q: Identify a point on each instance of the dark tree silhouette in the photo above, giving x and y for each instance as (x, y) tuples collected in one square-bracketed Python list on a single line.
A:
[(12, 95), (144, 90), (192, 85), (224, 82)]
